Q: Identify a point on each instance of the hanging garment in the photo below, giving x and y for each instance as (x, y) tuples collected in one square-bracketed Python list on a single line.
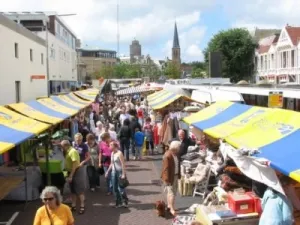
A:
[(167, 137), (175, 127), (163, 129), (155, 135), (74, 128)]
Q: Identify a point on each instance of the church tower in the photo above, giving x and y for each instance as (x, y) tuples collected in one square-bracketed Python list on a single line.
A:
[(176, 47)]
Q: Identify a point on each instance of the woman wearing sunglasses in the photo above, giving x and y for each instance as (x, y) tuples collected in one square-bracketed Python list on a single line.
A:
[(53, 212)]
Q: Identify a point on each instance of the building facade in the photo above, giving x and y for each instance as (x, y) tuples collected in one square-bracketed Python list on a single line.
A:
[(96, 59), (22, 63), (61, 42), (176, 52), (135, 50), (277, 58)]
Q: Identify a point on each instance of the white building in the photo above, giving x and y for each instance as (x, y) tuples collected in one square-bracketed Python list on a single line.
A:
[(22, 63), (61, 46), (278, 57)]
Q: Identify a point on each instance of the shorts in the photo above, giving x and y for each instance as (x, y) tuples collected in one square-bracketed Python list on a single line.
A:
[(172, 189)]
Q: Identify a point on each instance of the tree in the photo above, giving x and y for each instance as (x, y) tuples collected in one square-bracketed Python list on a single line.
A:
[(237, 48), (172, 70), (104, 71), (198, 73)]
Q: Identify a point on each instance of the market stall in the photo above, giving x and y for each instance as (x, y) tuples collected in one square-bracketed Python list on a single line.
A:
[(145, 88), (252, 135), (87, 94), (14, 129)]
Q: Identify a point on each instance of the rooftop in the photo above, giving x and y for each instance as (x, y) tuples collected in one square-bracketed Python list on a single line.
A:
[(294, 33), (38, 15), (96, 50)]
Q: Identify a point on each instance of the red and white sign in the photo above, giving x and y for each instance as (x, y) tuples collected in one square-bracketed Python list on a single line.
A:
[(38, 77)]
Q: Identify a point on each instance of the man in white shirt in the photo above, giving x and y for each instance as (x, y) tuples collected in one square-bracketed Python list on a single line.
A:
[(123, 115)]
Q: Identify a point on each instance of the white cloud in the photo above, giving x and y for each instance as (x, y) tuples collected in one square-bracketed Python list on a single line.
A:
[(193, 51), (263, 13), (149, 21)]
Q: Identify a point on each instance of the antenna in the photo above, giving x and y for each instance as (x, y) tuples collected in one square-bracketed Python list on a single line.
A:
[(118, 30)]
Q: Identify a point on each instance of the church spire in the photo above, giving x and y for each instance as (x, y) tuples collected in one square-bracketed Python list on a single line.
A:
[(175, 38)]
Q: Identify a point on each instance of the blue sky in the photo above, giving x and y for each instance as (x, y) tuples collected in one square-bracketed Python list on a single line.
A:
[(152, 21)]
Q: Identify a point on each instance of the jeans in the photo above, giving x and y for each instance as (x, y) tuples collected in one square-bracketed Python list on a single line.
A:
[(150, 144), (119, 193), (132, 145), (108, 180), (93, 176), (125, 145), (138, 150)]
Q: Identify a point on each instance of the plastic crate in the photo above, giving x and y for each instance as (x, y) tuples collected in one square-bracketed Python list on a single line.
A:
[(241, 203), (54, 166)]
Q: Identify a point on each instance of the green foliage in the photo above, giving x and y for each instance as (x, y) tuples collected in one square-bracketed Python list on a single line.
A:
[(126, 70), (198, 73), (105, 72), (237, 48), (172, 71)]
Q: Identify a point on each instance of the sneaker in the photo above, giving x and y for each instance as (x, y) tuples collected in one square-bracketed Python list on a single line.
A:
[(92, 189), (125, 204), (117, 206), (134, 158)]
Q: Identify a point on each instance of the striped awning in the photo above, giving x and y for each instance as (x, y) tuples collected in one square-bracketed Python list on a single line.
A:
[(135, 90)]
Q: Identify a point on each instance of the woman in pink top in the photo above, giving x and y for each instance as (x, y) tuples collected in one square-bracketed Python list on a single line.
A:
[(105, 158)]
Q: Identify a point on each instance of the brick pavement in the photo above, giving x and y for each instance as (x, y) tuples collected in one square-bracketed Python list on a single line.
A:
[(143, 191)]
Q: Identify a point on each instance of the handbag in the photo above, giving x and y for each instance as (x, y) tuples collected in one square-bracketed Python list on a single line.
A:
[(100, 171), (123, 182)]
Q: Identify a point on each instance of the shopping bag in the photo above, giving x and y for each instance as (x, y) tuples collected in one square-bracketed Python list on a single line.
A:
[(144, 150)]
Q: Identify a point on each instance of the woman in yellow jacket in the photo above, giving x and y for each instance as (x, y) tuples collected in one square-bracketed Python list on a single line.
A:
[(53, 212)]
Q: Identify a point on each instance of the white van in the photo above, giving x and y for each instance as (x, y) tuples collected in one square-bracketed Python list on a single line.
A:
[(215, 95)]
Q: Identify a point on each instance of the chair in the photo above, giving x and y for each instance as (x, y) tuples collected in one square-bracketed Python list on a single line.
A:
[(201, 188)]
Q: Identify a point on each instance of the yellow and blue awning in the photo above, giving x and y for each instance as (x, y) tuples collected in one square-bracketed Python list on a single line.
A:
[(156, 95), (65, 103), (164, 99), (36, 110), (75, 98), (275, 132), (88, 94), (59, 108), (16, 128), (208, 112), (71, 101)]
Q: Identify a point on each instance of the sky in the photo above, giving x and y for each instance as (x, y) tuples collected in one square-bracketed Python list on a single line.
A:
[(152, 21)]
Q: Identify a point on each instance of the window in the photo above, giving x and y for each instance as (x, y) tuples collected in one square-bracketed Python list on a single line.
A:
[(31, 55), (42, 58), (17, 50), (18, 91), (293, 58), (284, 65), (52, 53)]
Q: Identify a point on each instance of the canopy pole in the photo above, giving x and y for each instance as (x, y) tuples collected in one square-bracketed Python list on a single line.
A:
[(47, 160)]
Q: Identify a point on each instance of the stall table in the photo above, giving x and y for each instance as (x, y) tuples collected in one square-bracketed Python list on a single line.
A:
[(7, 184), (206, 215)]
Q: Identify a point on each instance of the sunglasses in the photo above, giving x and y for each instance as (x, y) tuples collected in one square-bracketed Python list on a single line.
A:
[(48, 199)]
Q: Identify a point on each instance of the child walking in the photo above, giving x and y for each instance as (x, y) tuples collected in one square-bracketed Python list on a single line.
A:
[(139, 141)]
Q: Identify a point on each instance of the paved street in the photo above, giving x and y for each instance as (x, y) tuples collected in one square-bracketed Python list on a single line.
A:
[(143, 191)]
